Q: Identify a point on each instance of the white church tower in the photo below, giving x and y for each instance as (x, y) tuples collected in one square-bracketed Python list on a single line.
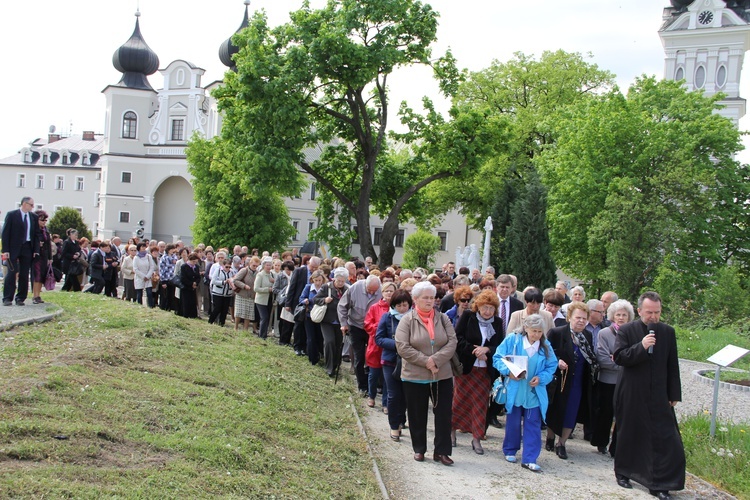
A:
[(705, 43)]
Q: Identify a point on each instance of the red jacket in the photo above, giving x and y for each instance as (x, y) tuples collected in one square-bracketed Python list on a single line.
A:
[(376, 311)]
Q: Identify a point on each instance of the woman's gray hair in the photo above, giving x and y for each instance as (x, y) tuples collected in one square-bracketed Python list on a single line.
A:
[(619, 305), (340, 272), (236, 259), (266, 259), (421, 287), (579, 288), (534, 321)]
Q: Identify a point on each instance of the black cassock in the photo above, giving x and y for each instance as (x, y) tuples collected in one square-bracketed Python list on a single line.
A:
[(649, 447)]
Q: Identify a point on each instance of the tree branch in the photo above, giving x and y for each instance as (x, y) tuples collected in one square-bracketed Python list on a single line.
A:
[(329, 186)]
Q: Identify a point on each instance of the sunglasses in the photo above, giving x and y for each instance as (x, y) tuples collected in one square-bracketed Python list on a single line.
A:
[(465, 301)]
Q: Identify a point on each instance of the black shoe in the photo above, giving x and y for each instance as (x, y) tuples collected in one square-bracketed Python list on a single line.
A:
[(602, 449), (661, 495), (624, 482), (550, 444), (20, 303), (560, 450), (7, 302), (346, 359), (496, 423)]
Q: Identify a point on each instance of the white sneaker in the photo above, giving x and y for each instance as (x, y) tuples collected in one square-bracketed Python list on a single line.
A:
[(532, 467), (511, 458)]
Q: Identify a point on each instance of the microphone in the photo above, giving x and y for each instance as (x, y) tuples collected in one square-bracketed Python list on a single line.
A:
[(651, 328)]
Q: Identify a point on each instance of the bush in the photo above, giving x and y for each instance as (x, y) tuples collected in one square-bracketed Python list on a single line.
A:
[(65, 218), (420, 250)]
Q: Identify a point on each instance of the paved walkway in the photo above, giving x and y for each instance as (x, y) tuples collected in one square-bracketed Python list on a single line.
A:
[(12, 316)]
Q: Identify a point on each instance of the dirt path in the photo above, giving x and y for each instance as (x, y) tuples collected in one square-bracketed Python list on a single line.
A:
[(586, 474)]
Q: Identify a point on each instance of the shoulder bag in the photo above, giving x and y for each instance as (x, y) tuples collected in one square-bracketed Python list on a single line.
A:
[(176, 282), (50, 281), (318, 312)]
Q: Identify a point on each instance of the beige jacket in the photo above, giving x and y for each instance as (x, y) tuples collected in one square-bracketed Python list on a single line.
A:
[(413, 345)]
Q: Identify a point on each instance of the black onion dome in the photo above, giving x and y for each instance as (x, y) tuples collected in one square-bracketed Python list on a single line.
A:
[(135, 60), (228, 49)]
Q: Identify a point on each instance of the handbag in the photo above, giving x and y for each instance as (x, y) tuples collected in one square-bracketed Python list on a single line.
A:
[(84, 263), (456, 365), (75, 268), (499, 392), (319, 311), (299, 312), (175, 281), (49, 282)]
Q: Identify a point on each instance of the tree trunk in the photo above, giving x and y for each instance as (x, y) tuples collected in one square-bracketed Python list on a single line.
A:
[(387, 249)]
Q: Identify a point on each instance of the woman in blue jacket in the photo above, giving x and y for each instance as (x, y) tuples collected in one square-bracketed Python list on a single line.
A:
[(401, 302), (527, 395)]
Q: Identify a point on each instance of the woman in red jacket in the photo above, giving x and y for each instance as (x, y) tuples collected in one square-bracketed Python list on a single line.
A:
[(373, 352)]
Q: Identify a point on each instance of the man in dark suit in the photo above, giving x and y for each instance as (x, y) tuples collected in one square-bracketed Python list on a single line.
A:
[(300, 278), (20, 238), (97, 265)]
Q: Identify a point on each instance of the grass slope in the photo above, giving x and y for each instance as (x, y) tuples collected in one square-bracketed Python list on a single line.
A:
[(117, 400)]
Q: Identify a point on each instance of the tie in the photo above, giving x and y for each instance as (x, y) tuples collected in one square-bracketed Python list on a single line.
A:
[(504, 315), (26, 225)]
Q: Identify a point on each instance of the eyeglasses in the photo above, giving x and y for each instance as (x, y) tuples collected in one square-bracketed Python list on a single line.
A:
[(427, 298), (465, 301)]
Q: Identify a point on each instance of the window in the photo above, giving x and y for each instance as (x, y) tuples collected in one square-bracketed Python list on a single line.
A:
[(400, 238), (721, 76), (85, 159), (56, 208), (178, 129), (45, 157), (310, 227), (129, 125), (79, 183), (98, 176), (378, 234), (21, 181), (700, 77), (27, 156), (124, 216), (355, 241), (80, 210), (443, 240), (40, 181), (39, 207), (295, 225), (126, 177), (96, 199), (312, 191), (680, 74), (65, 158), (60, 182)]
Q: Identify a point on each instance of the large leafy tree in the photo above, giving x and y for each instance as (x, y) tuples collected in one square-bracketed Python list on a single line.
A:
[(66, 218), (645, 182), (322, 79), (230, 210)]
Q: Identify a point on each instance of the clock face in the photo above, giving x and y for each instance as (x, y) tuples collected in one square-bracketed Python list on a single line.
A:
[(706, 17)]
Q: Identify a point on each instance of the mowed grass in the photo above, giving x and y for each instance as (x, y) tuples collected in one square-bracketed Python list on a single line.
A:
[(116, 400), (699, 345)]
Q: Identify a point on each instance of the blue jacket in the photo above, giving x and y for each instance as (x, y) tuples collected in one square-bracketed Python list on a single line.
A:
[(544, 369), (384, 338), (308, 293)]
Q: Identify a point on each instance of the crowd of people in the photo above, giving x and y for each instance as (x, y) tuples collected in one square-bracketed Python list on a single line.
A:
[(418, 339)]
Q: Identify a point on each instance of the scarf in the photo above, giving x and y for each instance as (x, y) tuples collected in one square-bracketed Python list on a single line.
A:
[(393, 312), (588, 353), (142, 254), (486, 328), (428, 318)]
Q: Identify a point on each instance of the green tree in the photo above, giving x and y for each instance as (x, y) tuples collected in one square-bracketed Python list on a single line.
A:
[(420, 249), (645, 182), (229, 210), (65, 218), (529, 252), (322, 79)]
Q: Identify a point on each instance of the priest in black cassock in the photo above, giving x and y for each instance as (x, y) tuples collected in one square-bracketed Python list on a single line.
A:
[(649, 446)]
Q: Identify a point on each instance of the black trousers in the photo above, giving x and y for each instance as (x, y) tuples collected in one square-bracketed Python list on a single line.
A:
[(18, 272), (418, 398), (285, 332), (359, 346), (300, 336), (219, 309), (97, 285)]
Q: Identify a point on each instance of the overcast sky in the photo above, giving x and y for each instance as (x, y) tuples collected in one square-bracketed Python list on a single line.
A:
[(56, 56)]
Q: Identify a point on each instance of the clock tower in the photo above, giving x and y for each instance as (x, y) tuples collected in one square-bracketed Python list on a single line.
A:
[(705, 43)]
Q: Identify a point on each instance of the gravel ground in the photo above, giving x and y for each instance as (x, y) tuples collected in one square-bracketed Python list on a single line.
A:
[(586, 474)]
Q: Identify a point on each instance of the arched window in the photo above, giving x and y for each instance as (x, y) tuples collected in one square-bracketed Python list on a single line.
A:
[(721, 76), (129, 125), (680, 74), (700, 77)]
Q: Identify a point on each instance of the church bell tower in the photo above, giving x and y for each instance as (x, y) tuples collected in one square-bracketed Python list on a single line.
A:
[(705, 43)]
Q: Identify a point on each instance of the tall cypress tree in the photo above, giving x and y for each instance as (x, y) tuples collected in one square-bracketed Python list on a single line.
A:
[(527, 238)]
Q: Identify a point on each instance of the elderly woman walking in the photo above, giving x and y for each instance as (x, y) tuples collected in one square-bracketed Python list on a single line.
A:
[(426, 342)]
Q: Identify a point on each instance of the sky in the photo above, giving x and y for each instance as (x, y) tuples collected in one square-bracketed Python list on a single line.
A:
[(56, 56)]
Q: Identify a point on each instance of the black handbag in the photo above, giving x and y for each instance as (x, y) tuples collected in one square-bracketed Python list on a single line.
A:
[(75, 268), (175, 281), (299, 312)]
